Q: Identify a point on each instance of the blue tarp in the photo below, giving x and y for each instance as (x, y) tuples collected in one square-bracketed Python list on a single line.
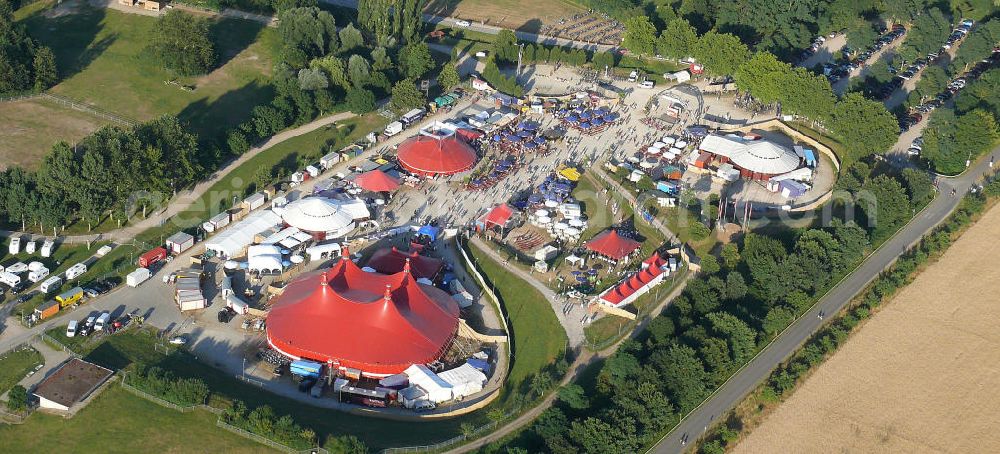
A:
[(429, 230), (305, 368)]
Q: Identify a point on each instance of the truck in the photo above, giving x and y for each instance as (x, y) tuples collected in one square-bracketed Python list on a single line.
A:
[(137, 277), (393, 128), (75, 271), (153, 256), (51, 284), (413, 116), (70, 297), (47, 247)]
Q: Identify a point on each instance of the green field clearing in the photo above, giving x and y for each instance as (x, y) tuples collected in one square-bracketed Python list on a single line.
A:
[(539, 338), (102, 61), (15, 365), (26, 121), (518, 14), (120, 422)]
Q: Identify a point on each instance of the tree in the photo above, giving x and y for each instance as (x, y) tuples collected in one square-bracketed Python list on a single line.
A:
[(415, 59), (977, 46), (345, 444), (306, 33), (505, 46), (952, 140), (183, 44), (925, 35), (375, 17), (867, 124), (736, 286), (574, 396), (360, 100), (405, 95), (639, 36), (17, 398), (448, 77), (19, 55), (730, 254), (889, 209), (677, 40), (740, 337), (709, 264), (358, 70), (683, 375), (45, 68), (861, 34), (919, 185), (380, 59), (721, 53), (763, 76), (598, 437), (334, 69), (312, 79), (603, 60), (350, 38)]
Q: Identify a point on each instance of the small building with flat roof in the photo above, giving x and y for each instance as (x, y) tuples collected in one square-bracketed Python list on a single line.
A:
[(71, 384)]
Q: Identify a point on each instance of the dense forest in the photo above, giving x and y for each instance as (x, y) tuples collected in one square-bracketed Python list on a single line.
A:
[(24, 64)]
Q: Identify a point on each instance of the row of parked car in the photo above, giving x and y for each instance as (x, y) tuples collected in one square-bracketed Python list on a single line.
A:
[(954, 86), (850, 59), (911, 71)]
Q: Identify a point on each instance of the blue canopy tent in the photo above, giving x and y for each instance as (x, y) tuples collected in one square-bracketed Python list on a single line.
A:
[(524, 134), (586, 114), (597, 121), (529, 144), (585, 125), (496, 138), (573, 118), (429, 231), (539, 140)]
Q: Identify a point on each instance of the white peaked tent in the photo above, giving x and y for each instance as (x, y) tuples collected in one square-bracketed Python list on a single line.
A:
[(437, 389), (231, 242)]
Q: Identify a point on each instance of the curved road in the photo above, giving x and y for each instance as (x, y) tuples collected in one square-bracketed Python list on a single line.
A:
[(695, 424)]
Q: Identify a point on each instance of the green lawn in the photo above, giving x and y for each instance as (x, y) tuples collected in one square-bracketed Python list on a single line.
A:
[(15, 365), (599, 216), (539, 340), (120, 422), (102, 60)]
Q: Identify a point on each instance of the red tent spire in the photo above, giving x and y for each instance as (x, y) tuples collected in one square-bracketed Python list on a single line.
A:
[(406, 266)]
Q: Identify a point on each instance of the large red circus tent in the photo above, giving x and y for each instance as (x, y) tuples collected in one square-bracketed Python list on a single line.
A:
[(392, 260), (379, 324), (612, 245), (430, 155), (376, 181)]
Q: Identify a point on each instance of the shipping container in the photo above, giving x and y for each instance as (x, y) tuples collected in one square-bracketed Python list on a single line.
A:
[(328, 161), (305, 368), (220, 220), (137, 277), (70, 297), (47, 309), (179, 242), (153, 256)]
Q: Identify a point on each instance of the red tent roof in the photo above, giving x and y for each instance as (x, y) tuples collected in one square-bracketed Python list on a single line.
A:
[(636, 282), (376, 181), (499, 215), (425, 155), (392, 260), (380, 324), (611, 244)]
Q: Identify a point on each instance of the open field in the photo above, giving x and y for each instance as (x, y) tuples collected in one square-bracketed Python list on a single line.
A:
[(920, 376), (102, 60), (31, 126), (517, 14), (118, 421), (539, 338)]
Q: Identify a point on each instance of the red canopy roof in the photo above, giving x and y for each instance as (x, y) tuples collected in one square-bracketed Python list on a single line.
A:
[(611, 244), (392, 260), (642, 278), (425, 155), (380, 324), (376, 181), (499, 215)]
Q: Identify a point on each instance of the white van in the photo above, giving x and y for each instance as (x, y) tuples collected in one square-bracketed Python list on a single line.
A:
[(15, 246), (633, 76), (38, 274), (646, 84), (71, 328), (102, 321), (51, 284)]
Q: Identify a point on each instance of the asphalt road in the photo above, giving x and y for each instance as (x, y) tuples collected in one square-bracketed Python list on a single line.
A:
[(747, 379)]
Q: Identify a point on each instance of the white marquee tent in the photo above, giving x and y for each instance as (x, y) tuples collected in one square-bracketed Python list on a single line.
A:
[(231, 242), (318, 214)]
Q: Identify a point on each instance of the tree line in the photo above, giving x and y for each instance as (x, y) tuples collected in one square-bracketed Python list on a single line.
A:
[(25, 65), (957, 136), (745, 296), (264, 422), (160, 383), (786, 378)]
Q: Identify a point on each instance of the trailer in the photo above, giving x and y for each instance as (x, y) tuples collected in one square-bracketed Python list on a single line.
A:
[(47, 248), (137, 277), (179, 242), (254, 201), (70, 297), (305, 368), (38, 274), (329, 160), (47, 310), (393, 128), (153, 256), (15, 246), (51, 284), (75, 271), (10, 279), (29, 247), (413, 116)]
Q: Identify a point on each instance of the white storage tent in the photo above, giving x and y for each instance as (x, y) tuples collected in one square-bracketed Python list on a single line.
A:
[(465, 380), (321, 251), (264, 258), (437, 389), (281, 235), (233, 240), (355, 208)]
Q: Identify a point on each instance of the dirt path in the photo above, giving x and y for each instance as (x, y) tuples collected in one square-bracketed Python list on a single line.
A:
[(921, 376)]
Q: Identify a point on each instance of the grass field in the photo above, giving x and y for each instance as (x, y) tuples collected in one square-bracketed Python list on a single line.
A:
[(15, 365), (539, 338), (102, 61), (919, 376), (120, 422), (518, 14), (29, 130)]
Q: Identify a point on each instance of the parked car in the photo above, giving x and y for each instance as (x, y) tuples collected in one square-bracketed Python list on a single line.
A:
[(178, 340), (463, 23), (91, 293)]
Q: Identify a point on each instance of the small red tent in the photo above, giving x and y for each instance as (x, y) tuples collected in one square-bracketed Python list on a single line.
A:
[(612, 245), (376, 181), (498, 216)]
